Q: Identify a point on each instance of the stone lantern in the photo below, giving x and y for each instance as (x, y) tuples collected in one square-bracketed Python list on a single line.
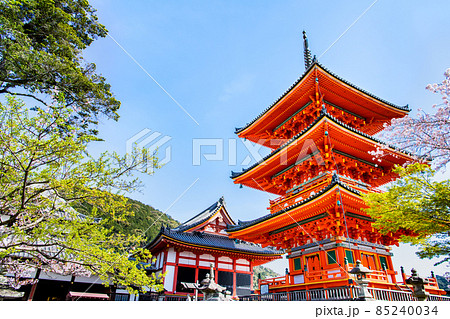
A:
[(361, 279), (210, 289), (418, 284)]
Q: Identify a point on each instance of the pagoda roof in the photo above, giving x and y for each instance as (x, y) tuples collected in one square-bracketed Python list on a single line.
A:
[(204, 216), (214, 242), (335, 182), (399, 110), (324, 115)]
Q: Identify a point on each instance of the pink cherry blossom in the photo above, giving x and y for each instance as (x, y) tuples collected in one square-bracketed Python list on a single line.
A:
[(426, 135)]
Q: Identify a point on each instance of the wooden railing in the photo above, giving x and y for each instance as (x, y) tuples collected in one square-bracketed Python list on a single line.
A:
[(391, 295), (339, 293), (315, 184), (433, 283), (377, 276), (275, 281), (335, 273), (308, 277), (292, 198)]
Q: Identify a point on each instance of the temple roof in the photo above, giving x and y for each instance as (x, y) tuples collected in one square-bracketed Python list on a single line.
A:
[(187, 234), (324, 114), (204, 216), (402, 109), (335, 182), (212, 241)]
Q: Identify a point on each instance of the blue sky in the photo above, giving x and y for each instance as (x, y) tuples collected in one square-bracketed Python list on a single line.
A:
[(226, 61)]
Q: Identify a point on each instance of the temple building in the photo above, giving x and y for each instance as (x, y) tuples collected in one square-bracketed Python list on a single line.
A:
[(185, 254), (321, 132)]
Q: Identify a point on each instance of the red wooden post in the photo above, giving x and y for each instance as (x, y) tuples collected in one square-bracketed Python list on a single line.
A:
[(234, 278), (33, 288)]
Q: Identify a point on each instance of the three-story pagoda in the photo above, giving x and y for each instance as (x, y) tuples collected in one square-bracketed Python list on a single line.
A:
[(321, 135)]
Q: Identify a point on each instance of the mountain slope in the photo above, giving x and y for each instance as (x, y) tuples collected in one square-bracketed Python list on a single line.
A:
[(146, 219)]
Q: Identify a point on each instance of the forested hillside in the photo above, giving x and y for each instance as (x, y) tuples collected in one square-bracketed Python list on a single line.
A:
[(261, 272), (146, 219), (443, 283)]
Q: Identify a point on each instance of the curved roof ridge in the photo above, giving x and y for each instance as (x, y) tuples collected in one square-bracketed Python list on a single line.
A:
[(203, 216), (292, 139), (216, 241), (238, 130), (403, 108), (316, 63), (334, 182), (323, 113)]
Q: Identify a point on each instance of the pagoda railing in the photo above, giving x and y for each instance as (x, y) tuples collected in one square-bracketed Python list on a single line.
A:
[(433, 282), (391, 295), (339, 293), (315, 184), (307, 277), (275, 281), (377, 276), (336, 273), (292, 197)]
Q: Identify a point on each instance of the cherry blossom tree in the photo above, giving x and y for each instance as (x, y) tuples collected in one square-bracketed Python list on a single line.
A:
[(416, 201), (426, 134), (45, 169)]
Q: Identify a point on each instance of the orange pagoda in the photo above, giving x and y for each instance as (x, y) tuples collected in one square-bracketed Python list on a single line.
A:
[(321, 135)]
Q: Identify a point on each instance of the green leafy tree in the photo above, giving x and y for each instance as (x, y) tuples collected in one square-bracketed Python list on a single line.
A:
[(40, 53), (415, 203), (42, 176)]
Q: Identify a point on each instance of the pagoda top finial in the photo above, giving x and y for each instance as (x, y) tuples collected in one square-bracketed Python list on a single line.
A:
[(306, 51)]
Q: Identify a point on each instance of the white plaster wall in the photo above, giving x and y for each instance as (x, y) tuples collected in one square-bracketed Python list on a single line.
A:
[(188, 254), (242, 268), (169, 278), (171, 255), (185, 261), (207, 257), (225, 266), (206, 263), (243, 261)]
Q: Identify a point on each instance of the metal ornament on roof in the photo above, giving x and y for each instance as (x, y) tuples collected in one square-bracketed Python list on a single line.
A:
[(306, 51)]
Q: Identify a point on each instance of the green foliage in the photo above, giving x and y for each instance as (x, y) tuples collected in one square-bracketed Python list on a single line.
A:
[(261, 272), (40, 54), (144, 219), (42, 176), (418, 204)]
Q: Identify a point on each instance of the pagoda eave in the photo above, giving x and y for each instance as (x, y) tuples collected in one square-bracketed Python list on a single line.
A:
[(312, 220), (335, 91), (334, 143)]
